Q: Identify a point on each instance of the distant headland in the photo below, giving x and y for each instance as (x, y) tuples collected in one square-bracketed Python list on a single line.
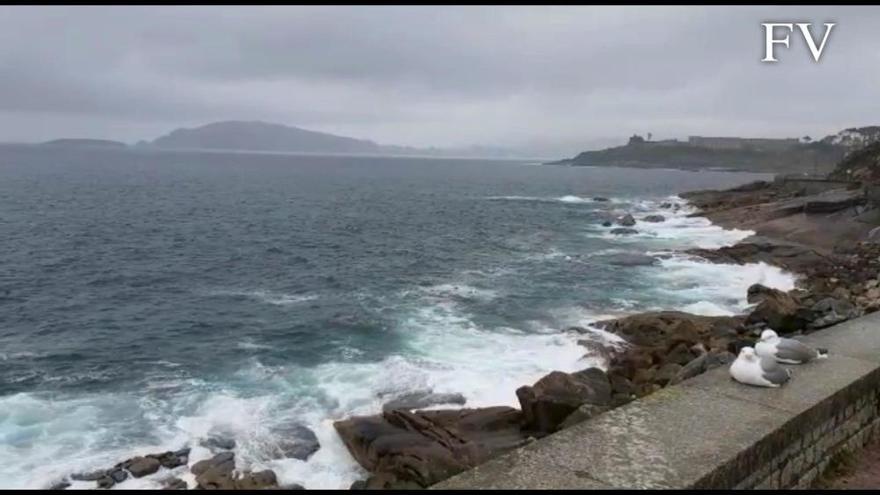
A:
[(788, 155)]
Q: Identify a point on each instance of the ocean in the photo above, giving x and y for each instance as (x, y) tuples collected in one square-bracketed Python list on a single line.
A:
[(148, 299)]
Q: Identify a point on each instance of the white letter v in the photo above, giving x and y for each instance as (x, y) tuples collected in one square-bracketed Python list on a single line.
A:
[(808, 37)]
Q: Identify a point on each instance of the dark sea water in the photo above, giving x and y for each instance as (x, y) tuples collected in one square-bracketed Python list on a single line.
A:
[(150, 298)]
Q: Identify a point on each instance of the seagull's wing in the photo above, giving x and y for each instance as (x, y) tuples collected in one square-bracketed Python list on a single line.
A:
[(792, 350), (772, 372)]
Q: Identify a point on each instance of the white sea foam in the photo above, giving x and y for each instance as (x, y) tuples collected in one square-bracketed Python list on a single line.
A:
[(43, 439), (269, 297), (460, 290), (569, 198)]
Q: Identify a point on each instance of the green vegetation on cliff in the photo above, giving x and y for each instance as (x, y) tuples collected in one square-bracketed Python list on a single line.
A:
[(815, 157)]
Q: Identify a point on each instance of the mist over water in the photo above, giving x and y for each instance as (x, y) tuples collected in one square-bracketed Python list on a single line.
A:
[(149, 298)]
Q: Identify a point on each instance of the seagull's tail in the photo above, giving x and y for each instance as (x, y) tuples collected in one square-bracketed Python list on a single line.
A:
[(821, 353)]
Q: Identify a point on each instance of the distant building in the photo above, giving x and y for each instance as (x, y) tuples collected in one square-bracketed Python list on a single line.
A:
[(735, 143)]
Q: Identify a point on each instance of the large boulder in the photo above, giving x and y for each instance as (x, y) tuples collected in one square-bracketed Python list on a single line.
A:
[(417, 449), (294, 441), (626, 220), (778, 309), (547, 403), (829, 311), (143, 466), (171, 459), (654, 218), (222, 463)]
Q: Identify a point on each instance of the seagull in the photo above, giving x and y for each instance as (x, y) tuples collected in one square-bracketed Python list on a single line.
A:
[(750, 369), (787, 351)]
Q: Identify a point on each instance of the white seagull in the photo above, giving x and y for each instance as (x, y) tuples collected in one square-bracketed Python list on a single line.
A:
[(787, 351), (751, 369)]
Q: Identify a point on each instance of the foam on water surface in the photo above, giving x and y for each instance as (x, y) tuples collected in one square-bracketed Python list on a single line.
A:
[(445, 348)]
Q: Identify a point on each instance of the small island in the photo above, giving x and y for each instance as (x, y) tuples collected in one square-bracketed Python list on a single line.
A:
[(85, 143)]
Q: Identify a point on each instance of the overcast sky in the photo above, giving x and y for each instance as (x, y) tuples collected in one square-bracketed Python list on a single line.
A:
[(564, 78)]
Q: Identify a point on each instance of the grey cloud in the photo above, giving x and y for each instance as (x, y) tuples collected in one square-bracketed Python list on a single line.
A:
[(573, 76)]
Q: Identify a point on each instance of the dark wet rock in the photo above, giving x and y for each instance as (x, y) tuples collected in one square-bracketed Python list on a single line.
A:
[(607, 223), (597, 349), (778, 309), (260, 480), (600, 199), (295, 441), (666, 373), (583, 413), (215, 480), (217, 474), (92, 476), (417, 449), (624, 231), (667, 329), (172, 459), (659, 342), (119, 475), (174, 484), (547, 403), (654, 218), (621, 385), (422, 399), (218, 442), (829, 311), (358, 485), (106, 482), (143, 466), (666, 205), (681, 354), (626, 220), (736, 345), (630, 259), (223, 462)]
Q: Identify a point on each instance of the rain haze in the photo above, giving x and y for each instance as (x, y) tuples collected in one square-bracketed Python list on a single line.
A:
[(545, 80)]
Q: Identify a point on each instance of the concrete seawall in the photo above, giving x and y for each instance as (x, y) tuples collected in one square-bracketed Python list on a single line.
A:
[(711, 432)]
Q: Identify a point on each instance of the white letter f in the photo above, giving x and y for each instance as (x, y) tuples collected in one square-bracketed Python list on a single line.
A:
[(770, 41)]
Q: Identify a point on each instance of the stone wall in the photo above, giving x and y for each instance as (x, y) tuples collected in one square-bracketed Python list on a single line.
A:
[(711, 432)]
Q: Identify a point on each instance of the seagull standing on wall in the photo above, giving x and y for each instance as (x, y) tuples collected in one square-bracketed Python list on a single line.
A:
[(787, 351), (750, 369)]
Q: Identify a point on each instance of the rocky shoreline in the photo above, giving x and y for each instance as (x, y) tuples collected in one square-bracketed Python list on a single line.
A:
[(406, 446), (838, 281)]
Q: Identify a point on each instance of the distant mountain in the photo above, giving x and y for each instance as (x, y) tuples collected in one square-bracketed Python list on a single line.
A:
[(261, 136), (264, 136), (85, 143)]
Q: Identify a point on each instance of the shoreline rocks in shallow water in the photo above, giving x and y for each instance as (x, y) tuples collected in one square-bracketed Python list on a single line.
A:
[(624, 231), (417, 449), (654, 219), (626, 220), (294, 441)]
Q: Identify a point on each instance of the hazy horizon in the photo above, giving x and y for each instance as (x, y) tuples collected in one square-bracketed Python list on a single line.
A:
[(555, 80)]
